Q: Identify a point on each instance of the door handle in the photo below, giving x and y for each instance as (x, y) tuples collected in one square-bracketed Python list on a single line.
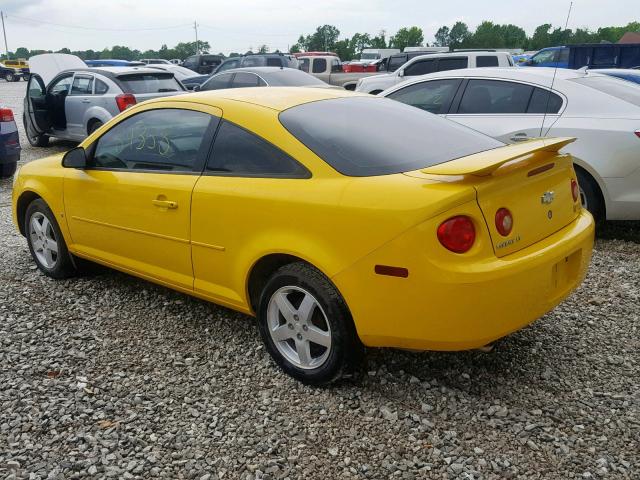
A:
[(85, 100), (165, 204), (519, 137)]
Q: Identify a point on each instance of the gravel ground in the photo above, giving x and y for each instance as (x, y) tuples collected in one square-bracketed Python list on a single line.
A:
[(111, 376)]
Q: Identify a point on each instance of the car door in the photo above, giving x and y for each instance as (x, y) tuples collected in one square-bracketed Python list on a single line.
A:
[(37, 117), (57, 93), (79, 100), (506, 110), (242, 169), (131, 206)]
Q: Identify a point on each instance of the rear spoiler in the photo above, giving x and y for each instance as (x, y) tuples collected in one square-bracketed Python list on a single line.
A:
[(485, 163)]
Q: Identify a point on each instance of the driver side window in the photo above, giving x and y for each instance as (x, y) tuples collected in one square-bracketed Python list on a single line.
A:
[(163, 140), (434, 96)]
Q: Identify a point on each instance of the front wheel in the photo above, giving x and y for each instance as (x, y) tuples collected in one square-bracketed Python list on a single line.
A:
[(46, 243), (10, 77), (306, 326)]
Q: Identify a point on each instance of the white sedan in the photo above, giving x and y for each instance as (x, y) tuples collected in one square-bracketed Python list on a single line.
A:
[(509, 104)]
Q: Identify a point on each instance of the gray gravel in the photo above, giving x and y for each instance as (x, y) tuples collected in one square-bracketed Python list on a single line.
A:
[(111, 376)]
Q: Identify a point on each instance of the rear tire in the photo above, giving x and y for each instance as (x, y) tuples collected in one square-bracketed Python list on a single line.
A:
[(36, 140), (8, 169), (10, 77), (46, 243), (96, 124), (591, 196), (314, 340)]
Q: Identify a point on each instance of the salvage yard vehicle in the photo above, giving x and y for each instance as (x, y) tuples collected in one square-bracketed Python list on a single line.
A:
[(437, 62), (281, 60), (111, 62), (329, 69), (9, 143), (509, 104), (274, 202), (67, 100), (592, 55), (261, 77), (203, 64), (10, 74)]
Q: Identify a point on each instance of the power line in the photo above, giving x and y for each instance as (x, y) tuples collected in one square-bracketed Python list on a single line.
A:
[(81, 27)]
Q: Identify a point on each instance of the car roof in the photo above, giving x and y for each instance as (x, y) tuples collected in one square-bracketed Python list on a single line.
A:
[(257, 70), (115, 71), (541, 75), (275, 98)]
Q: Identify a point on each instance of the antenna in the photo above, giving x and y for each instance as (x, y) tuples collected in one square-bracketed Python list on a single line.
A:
[(553, 79)]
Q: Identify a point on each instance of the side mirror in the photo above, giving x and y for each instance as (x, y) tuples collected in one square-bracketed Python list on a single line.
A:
[(401, 73), (529, 62), (75, 158), (195, 88)]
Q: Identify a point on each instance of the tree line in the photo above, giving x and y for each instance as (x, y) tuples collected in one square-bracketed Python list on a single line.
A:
[(327, 38)]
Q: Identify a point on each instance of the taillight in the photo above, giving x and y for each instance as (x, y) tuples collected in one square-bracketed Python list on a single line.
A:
[(637, 132), (125, 100), (6, 115), (575, 190), (457, 234), (504, 222)]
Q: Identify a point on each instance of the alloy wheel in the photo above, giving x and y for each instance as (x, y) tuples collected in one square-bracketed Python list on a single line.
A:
[(43, 240), (299, 327)]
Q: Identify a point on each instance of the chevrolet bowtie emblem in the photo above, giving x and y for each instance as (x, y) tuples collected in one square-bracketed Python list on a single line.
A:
[(547, 197)]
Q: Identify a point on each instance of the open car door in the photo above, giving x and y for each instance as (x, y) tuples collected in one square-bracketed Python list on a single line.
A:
[(37, 120)]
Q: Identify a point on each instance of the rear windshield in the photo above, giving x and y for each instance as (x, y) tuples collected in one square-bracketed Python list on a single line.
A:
[(290, 77), (150, 83), (363, 136), (615, 87)]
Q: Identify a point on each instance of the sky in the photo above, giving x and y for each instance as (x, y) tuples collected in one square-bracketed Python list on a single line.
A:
[(237, 26)]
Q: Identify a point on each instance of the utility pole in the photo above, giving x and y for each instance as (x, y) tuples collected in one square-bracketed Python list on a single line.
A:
[(4, 32), (195, 27)]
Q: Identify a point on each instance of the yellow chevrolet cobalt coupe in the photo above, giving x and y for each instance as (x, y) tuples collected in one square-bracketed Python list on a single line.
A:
[(338, 220)]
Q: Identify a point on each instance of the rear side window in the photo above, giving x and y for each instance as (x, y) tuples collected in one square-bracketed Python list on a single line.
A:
[(615, 87), (167, 140), (244, 79), (82, 86), (542, 99), (495, 96), (319, 65), (101, 88), (486, 61), (238, 152), (217, 82), (456, 63), (434, 96), (345, 133), (629, 56), (420, 67), (149, 83)]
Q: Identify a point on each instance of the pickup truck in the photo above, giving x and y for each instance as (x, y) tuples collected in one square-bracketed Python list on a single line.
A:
[(328, 68)]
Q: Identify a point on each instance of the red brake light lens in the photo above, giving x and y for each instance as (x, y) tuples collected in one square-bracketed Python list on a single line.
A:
[(504, 222), (125, 100), (457, 234), (575, 190), (6, 115), (637, 132)]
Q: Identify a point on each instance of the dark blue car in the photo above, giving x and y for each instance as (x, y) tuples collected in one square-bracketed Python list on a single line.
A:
[(9, 143)]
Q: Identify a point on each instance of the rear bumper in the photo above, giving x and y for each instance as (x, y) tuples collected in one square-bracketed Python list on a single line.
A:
[(463, 305)]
